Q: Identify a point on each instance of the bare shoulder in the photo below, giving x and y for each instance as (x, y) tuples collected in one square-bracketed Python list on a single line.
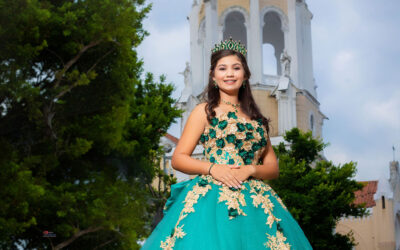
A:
[(199, 113), (201, 106), (196, 121), (192, 131)]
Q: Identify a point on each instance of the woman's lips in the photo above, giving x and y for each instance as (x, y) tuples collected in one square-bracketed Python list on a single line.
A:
[(230, 81)]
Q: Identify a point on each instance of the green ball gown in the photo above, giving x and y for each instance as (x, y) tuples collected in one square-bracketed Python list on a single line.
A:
[(201, 214)]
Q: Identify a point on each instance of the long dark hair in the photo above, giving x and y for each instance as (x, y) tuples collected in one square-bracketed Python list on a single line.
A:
[(211, 95)]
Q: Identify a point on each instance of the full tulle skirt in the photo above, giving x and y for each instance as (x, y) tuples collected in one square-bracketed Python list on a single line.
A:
[(201, 214)]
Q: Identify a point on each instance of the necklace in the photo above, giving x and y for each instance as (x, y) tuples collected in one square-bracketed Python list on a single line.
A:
[(234, 105)]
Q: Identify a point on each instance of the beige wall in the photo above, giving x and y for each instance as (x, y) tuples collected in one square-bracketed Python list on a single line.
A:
[(303, 108), (373, 232), (202, 13), (281, 4), (156, 184), (224, 4), (268, 107)]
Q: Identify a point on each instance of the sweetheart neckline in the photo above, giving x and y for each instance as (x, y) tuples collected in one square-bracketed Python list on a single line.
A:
[(238, 118)]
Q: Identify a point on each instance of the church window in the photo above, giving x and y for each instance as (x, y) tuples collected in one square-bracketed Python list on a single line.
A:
[(270, 63), (234, 26), (312, 122), (273, 43)]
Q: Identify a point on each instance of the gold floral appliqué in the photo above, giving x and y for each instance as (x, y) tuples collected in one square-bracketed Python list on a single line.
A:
[(277, 242), (260, 196), (233, 198), (190, 199)]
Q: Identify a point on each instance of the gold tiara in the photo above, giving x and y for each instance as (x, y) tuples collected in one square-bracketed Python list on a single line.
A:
[(230, 45)]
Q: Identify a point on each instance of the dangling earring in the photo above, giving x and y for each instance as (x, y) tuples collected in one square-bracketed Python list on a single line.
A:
[(244, 83), (215, 85)]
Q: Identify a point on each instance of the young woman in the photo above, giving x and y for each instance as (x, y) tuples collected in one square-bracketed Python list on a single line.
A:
[(227, 205)]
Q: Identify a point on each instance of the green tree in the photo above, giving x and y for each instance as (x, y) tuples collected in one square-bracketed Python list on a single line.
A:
[(317, 192), (80, 124)]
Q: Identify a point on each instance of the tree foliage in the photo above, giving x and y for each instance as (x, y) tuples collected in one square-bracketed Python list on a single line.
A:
[(80, 124), (317, 192)]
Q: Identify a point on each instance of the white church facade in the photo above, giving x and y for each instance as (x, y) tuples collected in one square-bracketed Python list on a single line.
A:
[(277, 35)]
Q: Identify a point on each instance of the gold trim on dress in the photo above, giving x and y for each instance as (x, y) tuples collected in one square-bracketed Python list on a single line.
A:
[(277, 242), (191, 198), (259, 188), (234, 198)]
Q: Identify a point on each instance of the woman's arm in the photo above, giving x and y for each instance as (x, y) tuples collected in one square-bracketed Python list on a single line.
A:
[(269, 169), (181, 158)]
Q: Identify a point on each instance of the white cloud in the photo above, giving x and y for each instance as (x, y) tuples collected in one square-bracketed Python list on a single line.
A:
[(356, 70), (165, 52), (384, 113), (345, 72), (337, 154), (369, 166)]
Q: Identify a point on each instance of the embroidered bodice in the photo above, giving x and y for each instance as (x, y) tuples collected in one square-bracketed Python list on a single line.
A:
[(203, 203), (230, 139)]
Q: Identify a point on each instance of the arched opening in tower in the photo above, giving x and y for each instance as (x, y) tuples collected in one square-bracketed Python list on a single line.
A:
[(234, 27), (269, 60), (273, 43)]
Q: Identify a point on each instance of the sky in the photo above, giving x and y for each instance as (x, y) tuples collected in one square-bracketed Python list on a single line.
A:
[(356, 58)]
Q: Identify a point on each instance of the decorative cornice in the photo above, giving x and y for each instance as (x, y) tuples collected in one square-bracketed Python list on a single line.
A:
[(282, 15), (230, 9), (310, 97)]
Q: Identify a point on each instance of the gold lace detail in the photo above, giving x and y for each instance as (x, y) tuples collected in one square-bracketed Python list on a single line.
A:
[(190, 199), (229, 151), (277, 242), (258, 188), (278, 198), (233, 198)]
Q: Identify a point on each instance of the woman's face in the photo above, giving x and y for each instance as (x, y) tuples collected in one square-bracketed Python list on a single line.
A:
[(229, 73)]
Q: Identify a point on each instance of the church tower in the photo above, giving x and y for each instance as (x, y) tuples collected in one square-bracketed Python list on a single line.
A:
[(277, 35)]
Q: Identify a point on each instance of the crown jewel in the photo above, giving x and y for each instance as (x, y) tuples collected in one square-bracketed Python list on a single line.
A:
[(230, 45)]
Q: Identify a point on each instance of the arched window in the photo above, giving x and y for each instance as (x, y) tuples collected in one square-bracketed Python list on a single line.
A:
[(234, 27), (312, 122), (272, 34), (268, 55)]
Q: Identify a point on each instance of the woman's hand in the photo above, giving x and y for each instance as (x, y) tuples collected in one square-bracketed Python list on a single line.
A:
[(243, 172), (224, 173)]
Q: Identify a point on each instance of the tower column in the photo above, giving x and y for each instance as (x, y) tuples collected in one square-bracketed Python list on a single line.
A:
[(196, 52), (286, 97), (211, 19), (255, 48), (291, 42)]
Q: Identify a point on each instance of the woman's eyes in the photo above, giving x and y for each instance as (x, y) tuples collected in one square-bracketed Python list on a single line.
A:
[(236, 68)]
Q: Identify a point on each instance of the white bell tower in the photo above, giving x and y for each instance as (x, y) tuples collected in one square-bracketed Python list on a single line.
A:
[(277, 35)]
